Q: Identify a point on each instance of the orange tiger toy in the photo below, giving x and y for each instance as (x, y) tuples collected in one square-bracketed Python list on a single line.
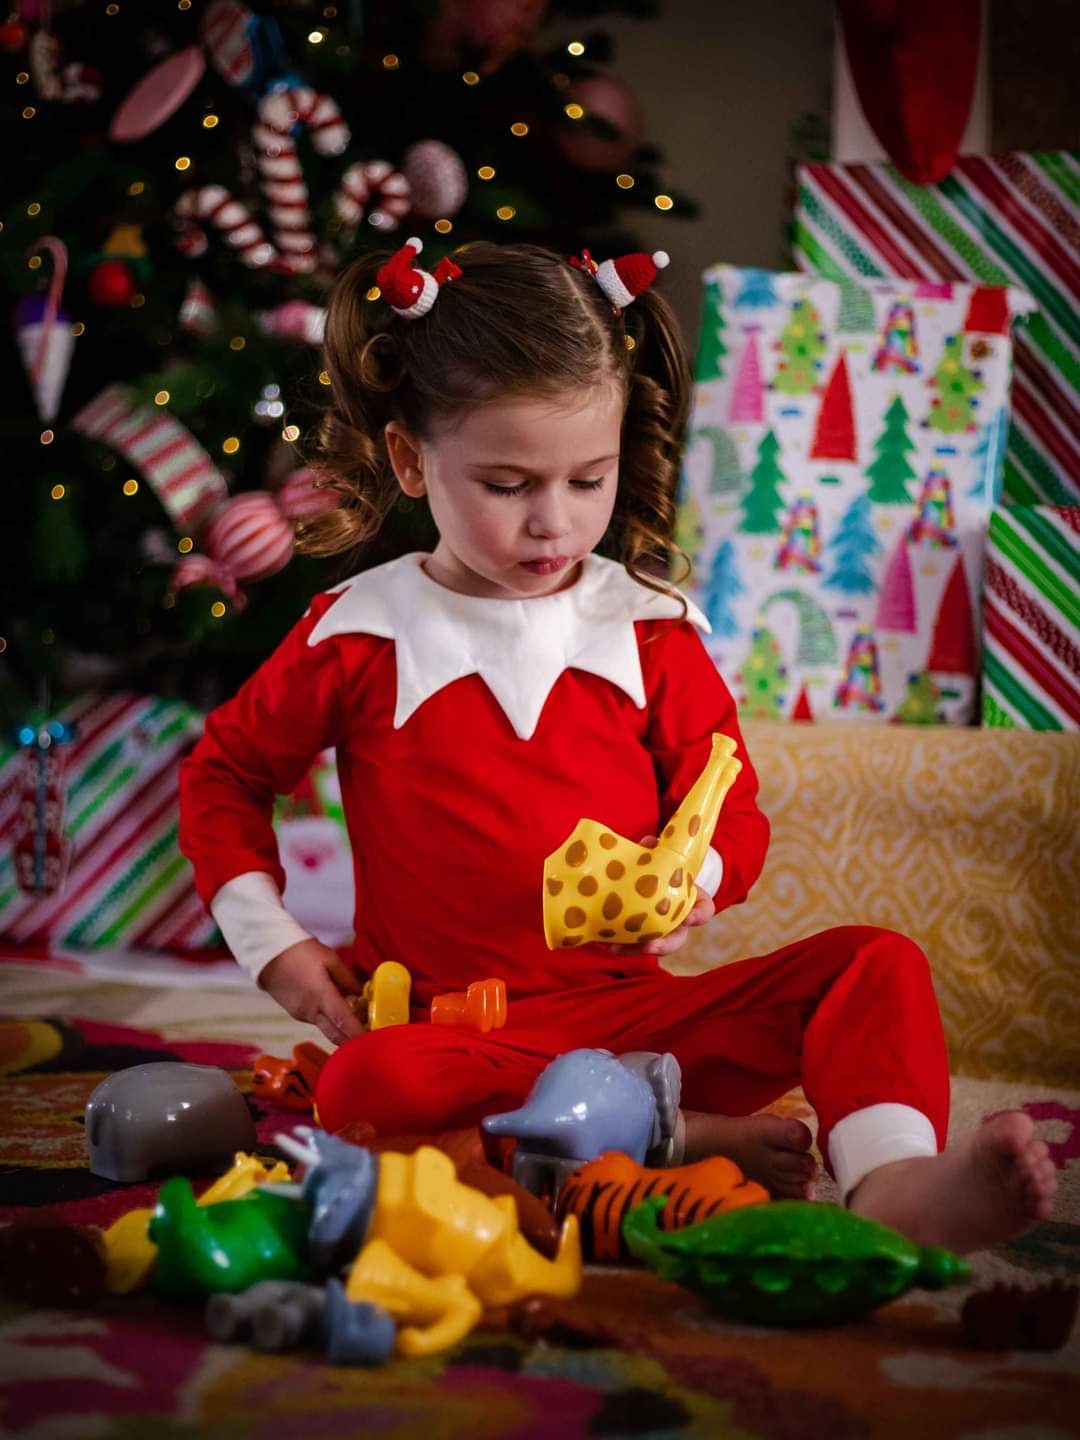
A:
[(602, 1192), (289, 1082)]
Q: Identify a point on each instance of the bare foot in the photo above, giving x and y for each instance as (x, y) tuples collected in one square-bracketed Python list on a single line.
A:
[(772, 1151), (998, 1181)]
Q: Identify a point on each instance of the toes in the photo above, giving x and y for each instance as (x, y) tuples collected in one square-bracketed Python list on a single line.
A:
[(795, 1136)]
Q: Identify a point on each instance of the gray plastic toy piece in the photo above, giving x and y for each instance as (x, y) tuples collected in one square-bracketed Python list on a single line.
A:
[(165, 1118), (274, 1314), (663, 1075), (355, 1332)]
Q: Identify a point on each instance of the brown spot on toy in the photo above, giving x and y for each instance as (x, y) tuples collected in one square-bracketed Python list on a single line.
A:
[(612, 906), (574, 917), (554, 886), (645, 858), (635, 922), (615, 869), (664, 905), (608, 841), (669, 831), (577, 853), (588, 885), (646, 885), (607, 934), (676, 877), (572, 940), (694, 825), (678, 910)]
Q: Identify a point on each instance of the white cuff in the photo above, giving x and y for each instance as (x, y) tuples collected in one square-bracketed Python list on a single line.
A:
[(877, 1135), (254, 922), (711, 873)]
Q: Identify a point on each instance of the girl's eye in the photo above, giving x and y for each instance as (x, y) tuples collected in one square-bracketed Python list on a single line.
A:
[(517, 489)]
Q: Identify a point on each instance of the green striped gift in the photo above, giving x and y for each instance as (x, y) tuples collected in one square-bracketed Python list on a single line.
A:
[(1008, 219), (1031, 618), (128, 885)]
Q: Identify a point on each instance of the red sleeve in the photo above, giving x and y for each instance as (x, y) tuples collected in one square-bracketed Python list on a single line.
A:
[(258, 745), (687, 702)]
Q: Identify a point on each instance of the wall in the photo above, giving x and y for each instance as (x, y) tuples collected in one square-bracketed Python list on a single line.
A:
[(720, 85)]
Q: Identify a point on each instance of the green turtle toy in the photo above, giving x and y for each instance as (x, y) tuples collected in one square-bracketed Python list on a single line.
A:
[(791, 1262)]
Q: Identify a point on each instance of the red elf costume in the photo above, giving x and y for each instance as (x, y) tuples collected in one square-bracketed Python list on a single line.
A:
[(472, 735)]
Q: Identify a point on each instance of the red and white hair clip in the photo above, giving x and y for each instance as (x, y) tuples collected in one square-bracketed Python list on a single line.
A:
[(624, 279), (409, 291)]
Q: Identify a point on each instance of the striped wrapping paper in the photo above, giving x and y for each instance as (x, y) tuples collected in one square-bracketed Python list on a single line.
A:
[(128, 884), (1031, 618), (1010, 219)]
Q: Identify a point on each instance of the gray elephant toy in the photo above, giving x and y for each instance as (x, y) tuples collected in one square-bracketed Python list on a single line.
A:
[(164, 1118)]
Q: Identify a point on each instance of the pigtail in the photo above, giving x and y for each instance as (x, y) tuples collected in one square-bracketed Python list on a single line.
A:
[(658, 402), (362, 357)]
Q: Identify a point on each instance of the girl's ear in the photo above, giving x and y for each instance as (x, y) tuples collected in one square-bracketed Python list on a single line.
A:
[(405, 457)]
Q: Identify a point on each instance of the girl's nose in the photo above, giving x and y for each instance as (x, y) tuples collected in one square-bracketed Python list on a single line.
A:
[(548, 518)]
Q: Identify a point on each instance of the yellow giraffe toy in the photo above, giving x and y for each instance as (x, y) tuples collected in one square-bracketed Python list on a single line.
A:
[(601, 886)]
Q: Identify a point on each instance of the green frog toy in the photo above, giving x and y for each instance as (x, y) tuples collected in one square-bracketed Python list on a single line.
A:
[(791, 1262)]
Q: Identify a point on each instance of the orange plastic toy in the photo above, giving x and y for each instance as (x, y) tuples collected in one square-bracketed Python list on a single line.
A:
[(605, 1189), (289, 1082), (481, 1008)]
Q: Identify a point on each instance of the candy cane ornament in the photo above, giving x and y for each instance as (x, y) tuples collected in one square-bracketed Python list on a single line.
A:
[(373, 178), (280, 112), (213, 205)]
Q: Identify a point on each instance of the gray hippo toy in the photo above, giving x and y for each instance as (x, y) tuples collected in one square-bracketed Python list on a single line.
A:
[(164, 1118), (588, 1101)]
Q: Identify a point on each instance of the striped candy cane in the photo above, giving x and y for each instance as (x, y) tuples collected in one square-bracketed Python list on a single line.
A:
[(279, 165), (213, 205), (373, 178)]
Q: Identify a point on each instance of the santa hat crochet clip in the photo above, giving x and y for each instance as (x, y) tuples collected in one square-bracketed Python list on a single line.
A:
[(624, 279), (409, 291)]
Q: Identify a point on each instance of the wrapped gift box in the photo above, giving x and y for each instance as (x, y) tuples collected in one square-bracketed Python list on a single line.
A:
[(1031, 613), (1001, 220), (843, 456)]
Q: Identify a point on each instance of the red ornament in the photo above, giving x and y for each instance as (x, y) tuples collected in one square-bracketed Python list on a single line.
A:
[(12, 36), (608, 100), (111, 283), (913, 63)]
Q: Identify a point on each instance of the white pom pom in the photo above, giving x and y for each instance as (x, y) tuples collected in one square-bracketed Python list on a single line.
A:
[(661, 259), (416, 243)]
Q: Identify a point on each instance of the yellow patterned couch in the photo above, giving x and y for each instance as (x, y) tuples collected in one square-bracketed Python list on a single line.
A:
[(966, 840)]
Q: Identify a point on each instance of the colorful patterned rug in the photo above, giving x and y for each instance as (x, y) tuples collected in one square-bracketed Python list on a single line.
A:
[(632, 1356)]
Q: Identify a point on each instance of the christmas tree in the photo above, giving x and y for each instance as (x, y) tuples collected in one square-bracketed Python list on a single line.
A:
[(801, 343), (953, 408), (756, 291), (762, 503), (860, 685), (856, 314), (989, 458), (747, 398), (763, 677), (898, 348), (834, 430), (204, 208), (891, 470), (800, 547), (689, 533), (920, 703), (711, 348), (721, 589), (852, 548)]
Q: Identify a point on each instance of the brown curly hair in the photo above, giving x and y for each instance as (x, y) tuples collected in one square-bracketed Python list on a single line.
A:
[(519, 320)]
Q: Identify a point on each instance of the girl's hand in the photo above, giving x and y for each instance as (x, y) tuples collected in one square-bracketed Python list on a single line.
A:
[(310, 981), (702, 910)]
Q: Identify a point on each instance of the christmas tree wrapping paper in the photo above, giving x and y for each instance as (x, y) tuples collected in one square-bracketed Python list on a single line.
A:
[(1031, 618), (843, 456), (1004, 220), (116, 803)]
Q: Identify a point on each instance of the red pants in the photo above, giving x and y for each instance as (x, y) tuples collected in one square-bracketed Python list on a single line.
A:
[(850, 1014)]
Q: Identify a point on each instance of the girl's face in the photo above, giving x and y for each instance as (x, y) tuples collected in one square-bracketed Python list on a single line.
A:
[(521, 491)]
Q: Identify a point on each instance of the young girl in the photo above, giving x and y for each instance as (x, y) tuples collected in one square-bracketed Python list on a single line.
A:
[(482, 699)]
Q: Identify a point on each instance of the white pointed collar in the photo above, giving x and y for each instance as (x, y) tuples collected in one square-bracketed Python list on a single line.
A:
[(519, 648)]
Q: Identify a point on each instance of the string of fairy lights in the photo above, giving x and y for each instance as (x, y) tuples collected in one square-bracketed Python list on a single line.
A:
[(290, 432)]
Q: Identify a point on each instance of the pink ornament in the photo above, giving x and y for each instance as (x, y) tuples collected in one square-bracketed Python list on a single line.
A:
[(609, 100), (497, 28), (437, 178), (294, 320), (250, 537), (373, 180), (280, 112), (158, 94), (304, 493)]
